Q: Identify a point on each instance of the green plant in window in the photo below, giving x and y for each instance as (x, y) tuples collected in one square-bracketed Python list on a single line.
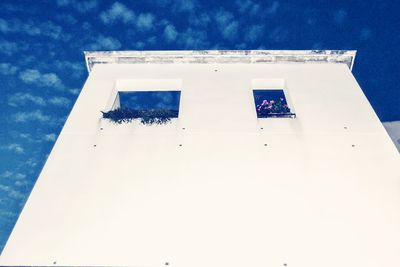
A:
[(146, 117)]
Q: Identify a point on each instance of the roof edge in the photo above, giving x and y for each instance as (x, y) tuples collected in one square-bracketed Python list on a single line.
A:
[(220, 56)]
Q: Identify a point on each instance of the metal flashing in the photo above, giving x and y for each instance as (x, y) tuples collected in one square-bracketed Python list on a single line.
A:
[(220, 56)]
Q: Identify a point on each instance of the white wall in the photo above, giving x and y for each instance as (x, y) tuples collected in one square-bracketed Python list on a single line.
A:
[(324, 191)]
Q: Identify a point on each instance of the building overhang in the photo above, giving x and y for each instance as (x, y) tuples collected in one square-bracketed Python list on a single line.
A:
[(220, 57)]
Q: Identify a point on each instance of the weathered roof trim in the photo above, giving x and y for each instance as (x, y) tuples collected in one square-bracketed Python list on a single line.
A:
[(220, 56)]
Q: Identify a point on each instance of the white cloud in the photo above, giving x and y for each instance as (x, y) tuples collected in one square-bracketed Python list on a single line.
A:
[(64, 2), (36, 115), (20, 176), (254, 33), (247, 6), (86, 6), (223, 17), (227, 25), (48, 29), (105, 42), (3, 25), (279, 34), (8, 48), (11, 192), (9, 174), (30, 76), (340, 16), (184, 5), (317, 46), (80, 5), (19, 99), (51, 80), (8, 214), (273, 8), (21, 183), (16, 194), (145, 21), (33, 76), (67, 18), (16, 148), (32, 162), (8, 69), (170, 33), (59, 101), (365, 34), (27, 137), (53, 31), (241, 46), (74, 91), (231, 31), (393, 129), (75, 69), (117, 12), (139, 45), (50, 137), (86, 26), (193, 39), (6, 174), (199, 20), (24, 135), (152, 40)]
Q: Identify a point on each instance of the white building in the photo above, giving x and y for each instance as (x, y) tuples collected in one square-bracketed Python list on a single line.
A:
[(217, 187)]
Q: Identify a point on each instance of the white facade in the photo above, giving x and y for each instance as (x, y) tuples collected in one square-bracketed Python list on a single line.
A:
[(217, 187)]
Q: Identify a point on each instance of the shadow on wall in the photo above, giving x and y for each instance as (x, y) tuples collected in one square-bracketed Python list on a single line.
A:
[(393, 129)]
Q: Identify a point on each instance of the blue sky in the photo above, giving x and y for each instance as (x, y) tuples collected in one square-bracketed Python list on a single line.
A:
[(42, 66)]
